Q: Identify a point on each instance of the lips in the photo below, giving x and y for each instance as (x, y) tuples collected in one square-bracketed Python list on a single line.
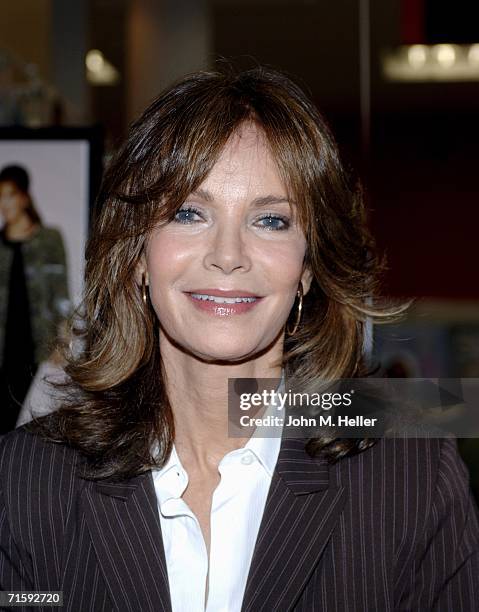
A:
[(223, 303)]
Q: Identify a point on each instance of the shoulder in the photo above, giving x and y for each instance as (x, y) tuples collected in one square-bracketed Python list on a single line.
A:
[(408, 470), (37, 474), (411, 486), (46, 247), (48, 235), (40, 508), (414, 458), (407, 477), (23, 449)]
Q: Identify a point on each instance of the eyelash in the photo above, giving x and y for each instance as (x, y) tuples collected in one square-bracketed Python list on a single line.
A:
[(284, 221), (192, 209), (189, 209)]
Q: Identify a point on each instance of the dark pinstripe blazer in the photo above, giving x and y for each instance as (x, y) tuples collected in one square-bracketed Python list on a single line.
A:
[(393, 528)]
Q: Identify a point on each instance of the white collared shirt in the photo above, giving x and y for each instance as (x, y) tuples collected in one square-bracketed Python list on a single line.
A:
[(236, 512)]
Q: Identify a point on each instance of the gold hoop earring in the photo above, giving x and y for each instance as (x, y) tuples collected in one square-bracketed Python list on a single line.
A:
[(299, 294), (143, 289)]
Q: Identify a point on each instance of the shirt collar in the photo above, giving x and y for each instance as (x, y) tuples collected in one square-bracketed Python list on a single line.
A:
[(170, 480)]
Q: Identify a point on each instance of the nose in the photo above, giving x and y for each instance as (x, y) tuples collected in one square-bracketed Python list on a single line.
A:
[(227, 250)]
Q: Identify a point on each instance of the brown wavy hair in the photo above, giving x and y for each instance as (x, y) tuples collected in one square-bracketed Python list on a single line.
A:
[(117, 406)]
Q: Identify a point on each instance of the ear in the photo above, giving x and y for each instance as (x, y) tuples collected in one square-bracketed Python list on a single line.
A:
[(306, 279), (141, 269)]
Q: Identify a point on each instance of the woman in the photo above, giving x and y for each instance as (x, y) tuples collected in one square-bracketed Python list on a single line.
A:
[(228, 245), (33, 291)]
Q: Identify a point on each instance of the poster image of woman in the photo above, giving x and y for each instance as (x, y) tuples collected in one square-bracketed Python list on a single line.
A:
[(34, 297)]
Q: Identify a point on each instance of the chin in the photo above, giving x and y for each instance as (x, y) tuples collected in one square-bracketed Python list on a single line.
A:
[(231, 349), (224, 347), (236, 354)]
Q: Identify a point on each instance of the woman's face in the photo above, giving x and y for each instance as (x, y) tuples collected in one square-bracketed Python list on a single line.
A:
[(224, 274), (13, 202)]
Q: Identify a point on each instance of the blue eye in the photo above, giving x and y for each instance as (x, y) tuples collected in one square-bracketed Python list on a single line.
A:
[(273, 222), (187, 215)]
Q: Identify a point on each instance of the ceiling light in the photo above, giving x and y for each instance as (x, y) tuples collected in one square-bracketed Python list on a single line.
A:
[(94, 60), (417, 55), (445, 55)]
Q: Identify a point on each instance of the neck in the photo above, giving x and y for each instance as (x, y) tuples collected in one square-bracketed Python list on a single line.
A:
[(21, 229), (198, 394)]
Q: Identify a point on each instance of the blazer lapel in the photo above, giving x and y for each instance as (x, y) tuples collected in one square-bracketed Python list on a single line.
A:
[(300, 514), (125, 529)]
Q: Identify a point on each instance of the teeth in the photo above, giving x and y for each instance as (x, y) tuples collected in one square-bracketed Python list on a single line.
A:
[(221, 300)]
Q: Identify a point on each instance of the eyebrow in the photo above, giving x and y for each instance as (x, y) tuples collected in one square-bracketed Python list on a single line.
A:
[(203, 194), (261, 201)]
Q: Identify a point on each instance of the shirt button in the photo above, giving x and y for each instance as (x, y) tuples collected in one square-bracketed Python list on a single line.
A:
[(247, 459)]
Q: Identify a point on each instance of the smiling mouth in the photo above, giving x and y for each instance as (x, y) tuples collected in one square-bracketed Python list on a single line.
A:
[(222, 303), (222, 300)]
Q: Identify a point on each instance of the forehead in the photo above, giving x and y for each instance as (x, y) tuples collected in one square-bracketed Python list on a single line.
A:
[(246, 163), (8, 186)]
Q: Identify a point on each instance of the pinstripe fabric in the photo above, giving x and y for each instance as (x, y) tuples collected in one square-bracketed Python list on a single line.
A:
[(393, 528)]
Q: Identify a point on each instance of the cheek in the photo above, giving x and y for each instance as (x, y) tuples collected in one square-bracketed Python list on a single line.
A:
[(164, 256), (14, 206), (283, 265), (168, 260)]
